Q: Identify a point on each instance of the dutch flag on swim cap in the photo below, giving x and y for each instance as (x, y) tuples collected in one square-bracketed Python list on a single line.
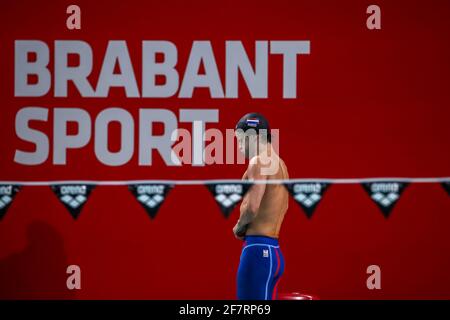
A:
[(254, 121)]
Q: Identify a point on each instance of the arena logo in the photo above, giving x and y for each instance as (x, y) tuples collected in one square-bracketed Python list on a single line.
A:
[(73, 196), (7, 194), (227, 195), (385, 194), (150, 196), (308, 195)]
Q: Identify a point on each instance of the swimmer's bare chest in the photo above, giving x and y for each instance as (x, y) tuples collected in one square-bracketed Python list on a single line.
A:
[(272, 209)]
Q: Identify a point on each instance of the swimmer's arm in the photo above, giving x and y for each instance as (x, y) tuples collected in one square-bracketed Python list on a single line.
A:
[(252, 200)]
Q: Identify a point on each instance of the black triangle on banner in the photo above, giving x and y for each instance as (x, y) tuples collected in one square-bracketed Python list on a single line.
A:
[(446, 185), (7, 194), (385, 194), (73, 196), (307, 194), (150, 196), (228, 195)]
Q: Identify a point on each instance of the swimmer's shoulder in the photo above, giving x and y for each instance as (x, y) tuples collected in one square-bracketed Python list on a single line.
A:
[(256, 163), (284, 169)]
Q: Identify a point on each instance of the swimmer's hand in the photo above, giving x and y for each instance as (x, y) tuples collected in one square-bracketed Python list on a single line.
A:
[(239, 231)]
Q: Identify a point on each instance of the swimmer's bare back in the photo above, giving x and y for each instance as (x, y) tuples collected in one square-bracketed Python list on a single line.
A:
[(269, 201)]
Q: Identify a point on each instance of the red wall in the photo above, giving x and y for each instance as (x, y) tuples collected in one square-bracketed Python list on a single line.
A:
[(372, 104)]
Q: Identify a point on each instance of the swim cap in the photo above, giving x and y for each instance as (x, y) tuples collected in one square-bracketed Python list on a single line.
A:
[(255, 121)]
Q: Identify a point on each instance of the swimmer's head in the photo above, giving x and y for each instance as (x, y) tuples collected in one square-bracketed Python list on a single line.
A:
[(251, 130)]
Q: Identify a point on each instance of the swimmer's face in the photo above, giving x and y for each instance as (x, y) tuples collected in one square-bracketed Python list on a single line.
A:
[(247, 143)]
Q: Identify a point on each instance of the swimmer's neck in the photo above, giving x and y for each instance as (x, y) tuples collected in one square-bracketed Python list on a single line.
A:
[(266, 150)]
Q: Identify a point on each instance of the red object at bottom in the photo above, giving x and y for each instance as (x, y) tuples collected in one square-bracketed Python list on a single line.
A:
[(297, 296)]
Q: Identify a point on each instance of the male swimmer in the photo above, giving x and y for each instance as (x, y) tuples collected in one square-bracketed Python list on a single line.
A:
[(261, 212)]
